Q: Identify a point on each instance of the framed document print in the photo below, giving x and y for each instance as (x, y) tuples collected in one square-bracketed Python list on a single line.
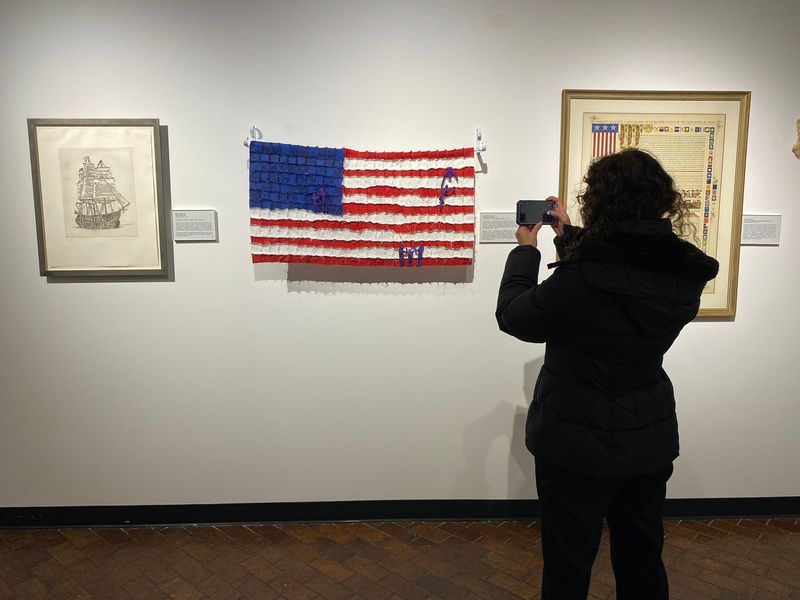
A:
[(98, 191), (701, 140)]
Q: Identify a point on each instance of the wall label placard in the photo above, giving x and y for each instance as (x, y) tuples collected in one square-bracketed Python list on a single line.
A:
[(194, 225), (761, 230), (498, 228)]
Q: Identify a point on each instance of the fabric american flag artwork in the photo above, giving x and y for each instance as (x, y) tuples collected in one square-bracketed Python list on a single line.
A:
[(604, 139), (337, 206)]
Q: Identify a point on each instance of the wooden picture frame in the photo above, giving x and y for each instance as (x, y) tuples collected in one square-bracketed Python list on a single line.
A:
[(701, 140), (99, 195)]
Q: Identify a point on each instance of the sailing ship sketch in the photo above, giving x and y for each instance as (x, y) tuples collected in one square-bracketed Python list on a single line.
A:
[(99, 203), (98, 192)]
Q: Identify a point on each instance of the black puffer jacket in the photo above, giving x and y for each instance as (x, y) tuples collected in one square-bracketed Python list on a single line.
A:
[(603, 405)]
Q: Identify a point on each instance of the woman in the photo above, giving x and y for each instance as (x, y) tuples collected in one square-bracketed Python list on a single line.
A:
[(602, 424)]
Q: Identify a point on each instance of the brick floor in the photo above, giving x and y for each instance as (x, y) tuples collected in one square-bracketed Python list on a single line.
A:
[(720, 559)]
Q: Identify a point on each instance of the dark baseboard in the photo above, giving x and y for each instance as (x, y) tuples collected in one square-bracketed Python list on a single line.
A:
[(357, 510), (690, 508)]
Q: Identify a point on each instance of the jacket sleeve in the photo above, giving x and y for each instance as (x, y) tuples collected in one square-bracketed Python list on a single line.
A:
[(540, 312)]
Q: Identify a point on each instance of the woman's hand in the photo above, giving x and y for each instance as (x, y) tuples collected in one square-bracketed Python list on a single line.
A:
[(527, 234), (559, 214)]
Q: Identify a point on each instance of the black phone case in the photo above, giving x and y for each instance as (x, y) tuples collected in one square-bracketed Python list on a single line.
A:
[(524, 219)]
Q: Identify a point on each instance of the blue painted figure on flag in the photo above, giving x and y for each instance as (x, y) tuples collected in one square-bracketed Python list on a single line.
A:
[(444, 189), (408, 253)]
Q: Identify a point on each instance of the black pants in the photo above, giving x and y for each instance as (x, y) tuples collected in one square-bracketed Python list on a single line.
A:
[(573, 507)]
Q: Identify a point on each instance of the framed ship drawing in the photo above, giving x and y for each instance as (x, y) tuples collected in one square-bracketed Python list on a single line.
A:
[(98, 191)]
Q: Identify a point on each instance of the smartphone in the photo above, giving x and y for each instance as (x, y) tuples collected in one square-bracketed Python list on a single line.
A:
[(531, 212)]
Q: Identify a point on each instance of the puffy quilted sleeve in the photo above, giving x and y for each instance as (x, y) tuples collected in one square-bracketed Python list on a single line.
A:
[(541, 312)]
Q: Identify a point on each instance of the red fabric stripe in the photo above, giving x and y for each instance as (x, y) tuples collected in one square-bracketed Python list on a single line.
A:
[(353, 244), (362, 225), (459, 153), (465, 172), (351, 208), (343, 261), (386, 191)]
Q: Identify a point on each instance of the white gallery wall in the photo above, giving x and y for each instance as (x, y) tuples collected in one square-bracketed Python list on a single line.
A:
[(234, 384)]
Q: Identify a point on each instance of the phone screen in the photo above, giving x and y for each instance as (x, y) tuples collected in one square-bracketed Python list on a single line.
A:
[(530, 212)]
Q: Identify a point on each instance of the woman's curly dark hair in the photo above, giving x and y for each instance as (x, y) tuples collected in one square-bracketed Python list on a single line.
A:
[(630, 185)]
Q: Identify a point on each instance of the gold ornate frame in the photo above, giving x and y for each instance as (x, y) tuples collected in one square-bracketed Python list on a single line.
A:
[(579, 107)]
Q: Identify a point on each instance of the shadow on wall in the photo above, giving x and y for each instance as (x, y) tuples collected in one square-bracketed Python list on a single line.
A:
[(685, 479), (506, 420), (334, 274), (367, 280)]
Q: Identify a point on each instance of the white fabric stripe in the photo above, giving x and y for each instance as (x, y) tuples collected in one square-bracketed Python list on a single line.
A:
[(385, 253), (409, 200), (365, 235), (410, 164), (407, 182), (380, 218)]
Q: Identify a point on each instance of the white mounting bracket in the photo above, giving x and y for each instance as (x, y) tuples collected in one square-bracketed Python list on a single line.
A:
[(480, 145), (255, 134)]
